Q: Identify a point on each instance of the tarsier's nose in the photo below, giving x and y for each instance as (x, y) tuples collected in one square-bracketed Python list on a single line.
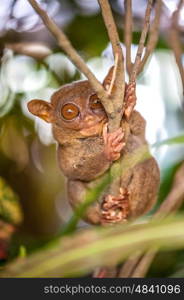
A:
[(89, 119)]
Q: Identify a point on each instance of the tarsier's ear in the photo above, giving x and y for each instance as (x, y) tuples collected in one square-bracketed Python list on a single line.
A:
[(108, 78), (41, 109)]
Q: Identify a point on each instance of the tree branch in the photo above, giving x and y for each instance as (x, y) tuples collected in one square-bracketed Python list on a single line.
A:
[(129, 266), (144, 263), (65, 44), (38, 51), (128, 34), (117, 94), (138, 265), (113, 76), (119, 81), (174, 39), (153, 35), (142, 41)]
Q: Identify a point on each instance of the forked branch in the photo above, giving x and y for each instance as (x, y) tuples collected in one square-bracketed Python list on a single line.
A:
[(112, 107), (136, 68)]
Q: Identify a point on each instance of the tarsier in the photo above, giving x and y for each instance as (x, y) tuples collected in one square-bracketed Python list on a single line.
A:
[(86, 150)]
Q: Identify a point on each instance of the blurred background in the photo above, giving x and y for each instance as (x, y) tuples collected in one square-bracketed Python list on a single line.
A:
[(32, 66)]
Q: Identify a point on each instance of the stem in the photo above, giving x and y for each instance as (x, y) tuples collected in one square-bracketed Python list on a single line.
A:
[(174, 38), (142, 41), (153, 36), (128, 34)]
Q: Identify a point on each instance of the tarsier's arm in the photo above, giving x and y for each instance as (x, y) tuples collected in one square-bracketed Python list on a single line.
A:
[(87, 159)]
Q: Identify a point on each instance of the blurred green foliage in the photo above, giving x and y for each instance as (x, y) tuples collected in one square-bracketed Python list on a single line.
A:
[(81, 252), (81, 33), (10, 210)]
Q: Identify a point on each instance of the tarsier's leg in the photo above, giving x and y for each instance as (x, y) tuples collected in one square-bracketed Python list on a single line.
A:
[(137, 194), (77, 191), (142, 187), (139, 186), (108, 209), (130, 99)]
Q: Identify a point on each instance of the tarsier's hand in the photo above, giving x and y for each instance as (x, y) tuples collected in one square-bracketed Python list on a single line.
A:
[(130, 99), (113, 143)]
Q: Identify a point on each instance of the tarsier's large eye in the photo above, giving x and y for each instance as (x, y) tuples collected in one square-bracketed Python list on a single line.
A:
[(95, 102), (69, 111)]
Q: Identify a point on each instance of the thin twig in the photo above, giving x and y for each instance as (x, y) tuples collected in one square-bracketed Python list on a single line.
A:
[(119, 81), (142, 41), (65, 44), (174, 39), (129, 266), (137, 266), (153, 35), (128, 34), (113, 76), (110, 26), (38, 51), (144, 263)]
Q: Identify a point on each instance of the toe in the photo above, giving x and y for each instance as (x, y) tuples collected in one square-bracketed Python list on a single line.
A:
[(104, 132), (119, 147)]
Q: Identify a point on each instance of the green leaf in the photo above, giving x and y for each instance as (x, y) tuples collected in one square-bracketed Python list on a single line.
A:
[(171, 141), (82, 252), (179, 273)]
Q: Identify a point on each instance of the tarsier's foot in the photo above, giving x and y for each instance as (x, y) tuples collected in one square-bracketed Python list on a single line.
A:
[(130, 99), (115, 209), (114, 143)]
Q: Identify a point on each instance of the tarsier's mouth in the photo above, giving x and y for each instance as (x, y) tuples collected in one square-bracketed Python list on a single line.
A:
[(94, 130)]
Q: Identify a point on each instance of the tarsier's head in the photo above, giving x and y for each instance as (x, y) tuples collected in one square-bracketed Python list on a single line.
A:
[(74, 107)]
